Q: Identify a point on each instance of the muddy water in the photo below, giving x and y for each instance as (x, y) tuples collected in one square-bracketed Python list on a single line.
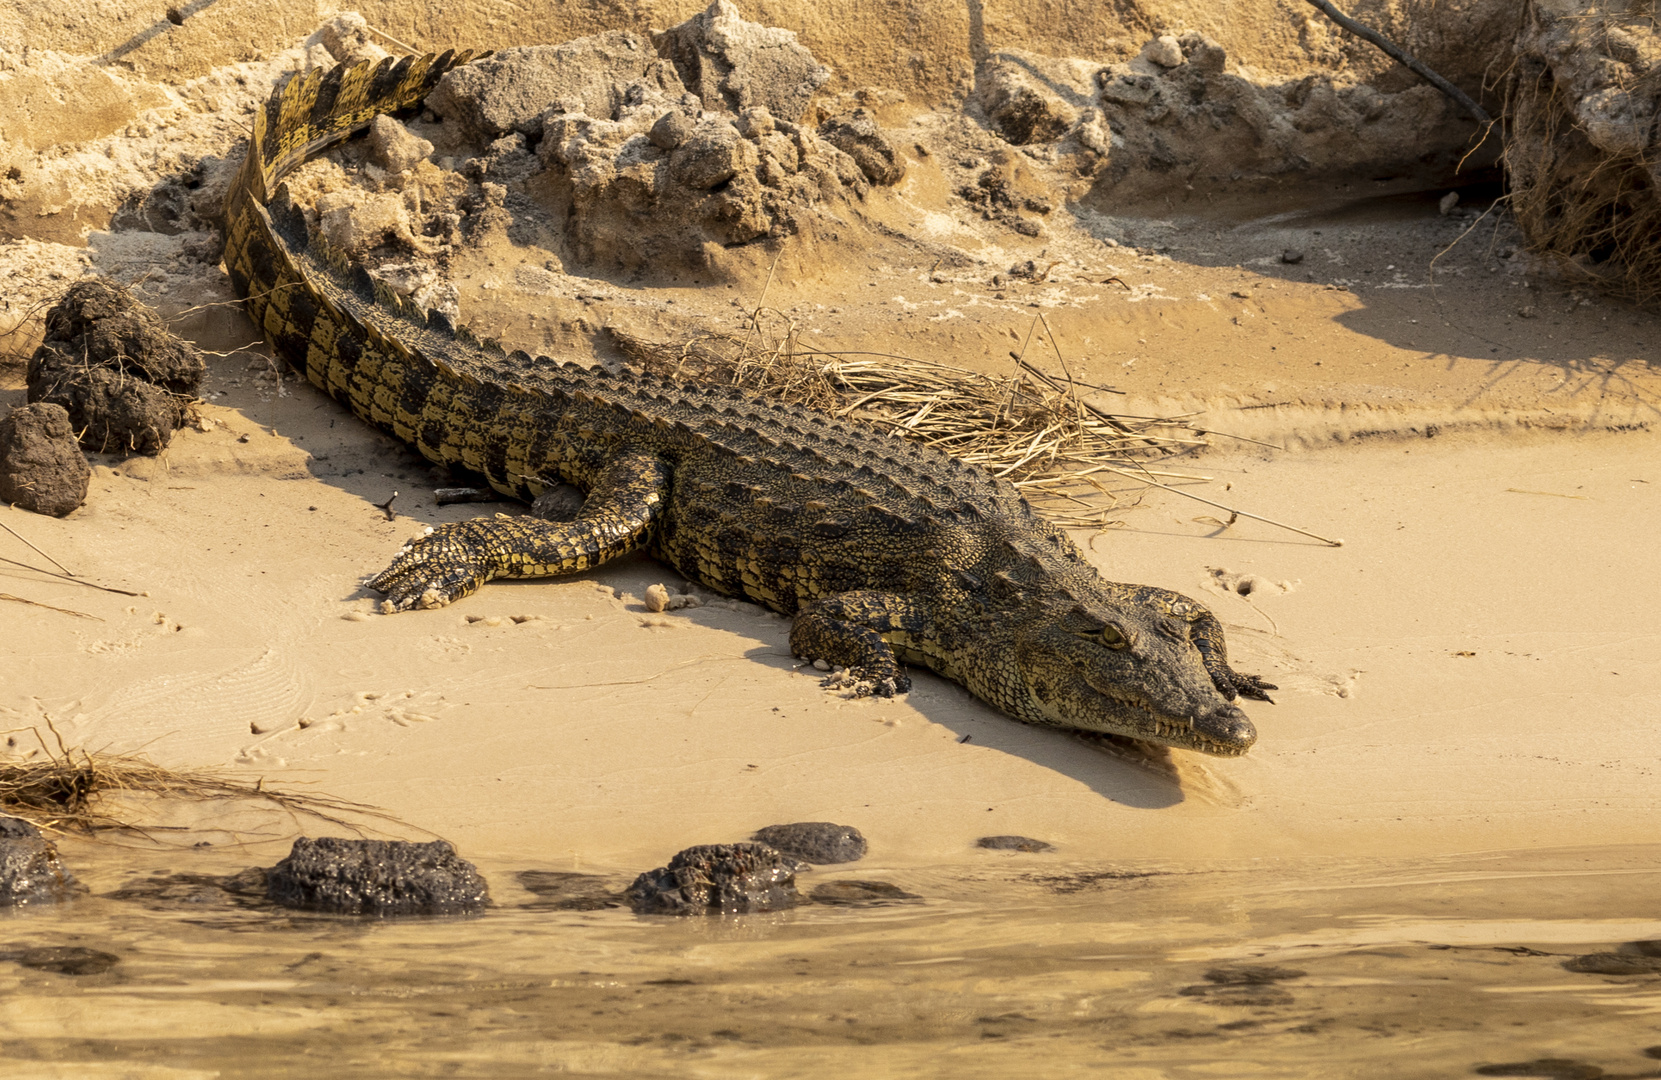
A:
[(1014, 965)]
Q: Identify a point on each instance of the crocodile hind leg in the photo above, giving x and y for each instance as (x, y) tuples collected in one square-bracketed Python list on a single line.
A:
[(847, 630), (454, 560)]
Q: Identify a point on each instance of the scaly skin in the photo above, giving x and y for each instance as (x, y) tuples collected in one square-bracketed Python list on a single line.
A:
[(885, 552)]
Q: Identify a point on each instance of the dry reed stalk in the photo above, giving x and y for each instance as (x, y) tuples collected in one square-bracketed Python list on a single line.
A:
[(66, 788), (1029, 427)]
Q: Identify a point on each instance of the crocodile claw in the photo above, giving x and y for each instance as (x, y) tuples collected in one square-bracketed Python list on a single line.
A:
[(855, 686)]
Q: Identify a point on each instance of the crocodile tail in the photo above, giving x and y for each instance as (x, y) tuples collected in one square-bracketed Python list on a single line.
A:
[(322, 107)]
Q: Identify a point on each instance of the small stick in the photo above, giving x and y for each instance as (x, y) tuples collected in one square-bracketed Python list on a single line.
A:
[(1398, 53), (36, 550), (1230, 509), (389, 37), (67, 577), (386, 507), (48, 607)]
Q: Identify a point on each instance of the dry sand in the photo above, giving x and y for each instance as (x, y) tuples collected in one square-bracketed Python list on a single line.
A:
[(1476, 668)]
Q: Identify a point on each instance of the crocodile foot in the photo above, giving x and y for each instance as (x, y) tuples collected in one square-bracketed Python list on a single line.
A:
[(431, 571)]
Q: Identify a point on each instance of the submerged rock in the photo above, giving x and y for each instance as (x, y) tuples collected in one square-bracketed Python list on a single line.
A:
[(63, 959), (376, 877), (815, 841), (860, 893), (1013, 843), (42, 467), (30, 872), (718, 879)]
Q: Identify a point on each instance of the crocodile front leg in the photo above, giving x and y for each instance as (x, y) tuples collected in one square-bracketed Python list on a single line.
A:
[(847, 630), (454, 560)]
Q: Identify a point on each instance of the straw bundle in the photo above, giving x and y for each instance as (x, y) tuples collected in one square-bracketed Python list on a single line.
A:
[(1027, 426)]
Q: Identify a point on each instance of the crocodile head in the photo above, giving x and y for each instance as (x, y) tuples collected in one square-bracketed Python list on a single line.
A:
[(1129, 665)]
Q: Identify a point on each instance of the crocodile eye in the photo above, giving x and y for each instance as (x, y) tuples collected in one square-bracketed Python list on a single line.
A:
[(1112, 637)]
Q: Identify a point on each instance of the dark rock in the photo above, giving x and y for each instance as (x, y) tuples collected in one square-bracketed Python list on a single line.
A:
[(1615, 963), (718, 879), (732, 64), (118, 372), (815, 841), (511, 90), (30, 872), (42, 467), (859, 893), (565, 891), (1291, 256), (671, 130), (64, 959), (376, 877), (1013, 843), (857, 135)]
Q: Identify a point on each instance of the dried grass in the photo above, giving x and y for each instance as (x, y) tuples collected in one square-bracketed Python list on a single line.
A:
[(64, 789), (1030, 427), (1595, 214)]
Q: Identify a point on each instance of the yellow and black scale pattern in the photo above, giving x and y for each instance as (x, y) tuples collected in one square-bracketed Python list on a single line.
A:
[(885, 550)]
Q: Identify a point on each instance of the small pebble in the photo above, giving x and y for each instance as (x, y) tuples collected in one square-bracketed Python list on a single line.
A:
[(821, 665), (1291, 256), (657, 598)]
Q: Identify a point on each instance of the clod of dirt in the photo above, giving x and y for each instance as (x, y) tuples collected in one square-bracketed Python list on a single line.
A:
[(1013, 843), (718, 879), (860, 893), (376, 878), (42, 467), (30, 872), (515, 90), (348, 39), (393, 148), (121, 375), (857, 135), (732, 64), (815, 841)]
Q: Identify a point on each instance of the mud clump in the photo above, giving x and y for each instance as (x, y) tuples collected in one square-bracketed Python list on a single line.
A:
[(815, 841), (377, 878), (42, 467), (733, 65), (650, 159), (718, 879), (30, 872), (1582, 159), (121, 376)]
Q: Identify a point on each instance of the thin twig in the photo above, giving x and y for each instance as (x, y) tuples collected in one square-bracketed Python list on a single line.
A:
[(36, 550), (67, 577), (1230, 509), (48, 607)]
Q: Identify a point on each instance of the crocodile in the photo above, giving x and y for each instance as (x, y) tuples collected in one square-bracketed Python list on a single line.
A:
[(885, 552)]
